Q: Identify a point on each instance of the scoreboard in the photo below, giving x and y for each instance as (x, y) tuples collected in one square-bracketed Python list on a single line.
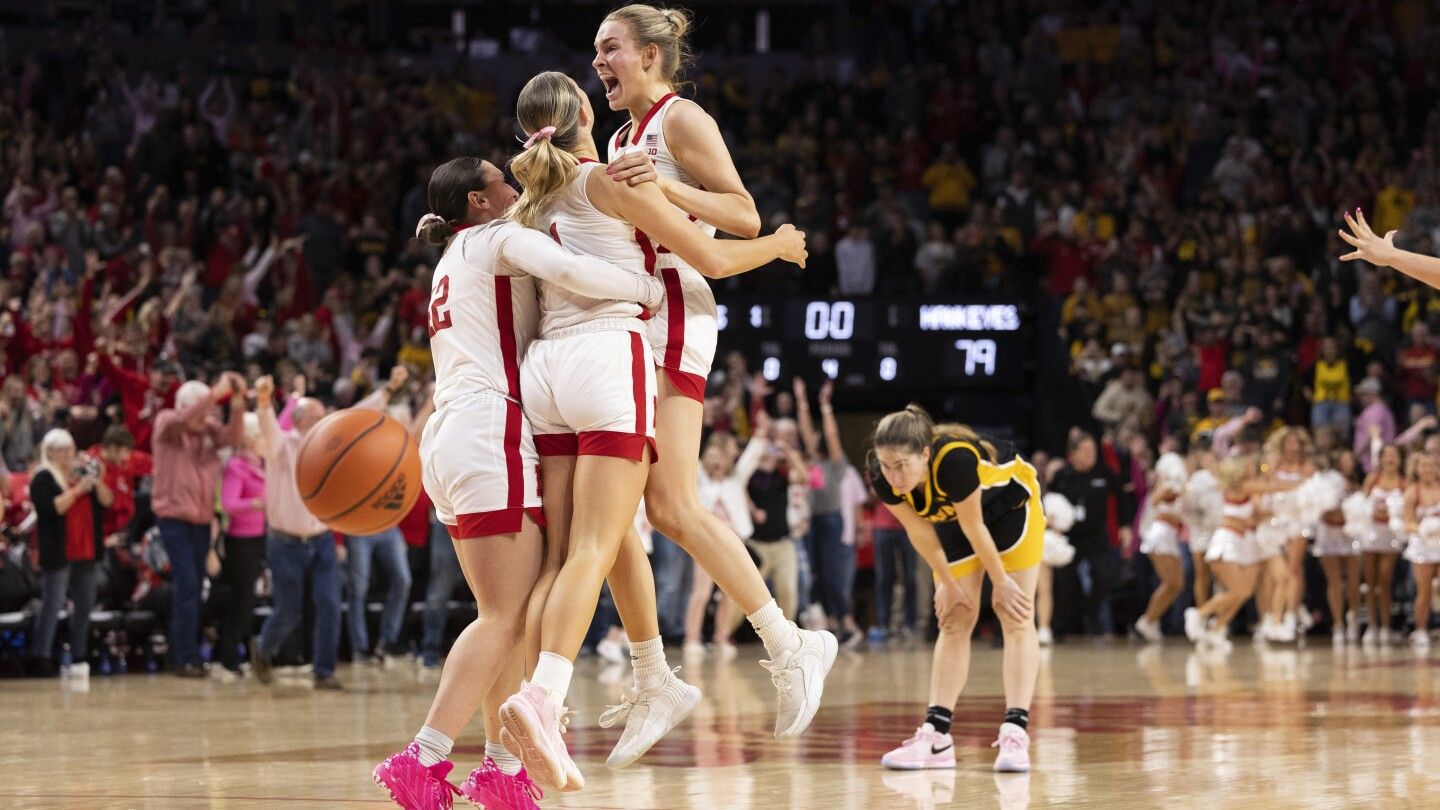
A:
[(901, 344)]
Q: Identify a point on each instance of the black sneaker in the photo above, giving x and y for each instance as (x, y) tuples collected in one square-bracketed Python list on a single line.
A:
[(329, 683), (260, 664)]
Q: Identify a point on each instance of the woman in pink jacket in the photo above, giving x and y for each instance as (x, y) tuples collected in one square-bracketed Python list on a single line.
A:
[(242, 496)]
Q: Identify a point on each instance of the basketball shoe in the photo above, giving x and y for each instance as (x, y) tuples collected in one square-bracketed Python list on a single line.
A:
[(927, 749), (414, 786), (649, 714), (799, 678), (492, 789), (532, 726), (1014, 745)]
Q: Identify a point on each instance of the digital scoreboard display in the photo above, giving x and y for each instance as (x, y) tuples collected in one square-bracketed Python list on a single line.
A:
[(900, 343)]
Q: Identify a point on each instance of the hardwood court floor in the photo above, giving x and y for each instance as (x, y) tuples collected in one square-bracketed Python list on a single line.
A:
[(1114, 726)]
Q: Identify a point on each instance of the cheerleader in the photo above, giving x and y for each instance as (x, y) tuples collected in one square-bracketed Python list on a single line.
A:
[(1160, 541), (1422, 525), (1200, 508), (1235, 553), (1339, 553), (1292, 448), (1381, 547)]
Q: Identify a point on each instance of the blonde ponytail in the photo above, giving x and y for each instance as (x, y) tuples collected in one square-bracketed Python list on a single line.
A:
[(548, 165)]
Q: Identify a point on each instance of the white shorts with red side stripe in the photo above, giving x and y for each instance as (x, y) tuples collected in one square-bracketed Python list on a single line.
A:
[(590, 391), (683, 331), (479, 466)]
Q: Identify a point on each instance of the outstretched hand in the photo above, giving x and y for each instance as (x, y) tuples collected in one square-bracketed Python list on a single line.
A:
[(1377, 250)]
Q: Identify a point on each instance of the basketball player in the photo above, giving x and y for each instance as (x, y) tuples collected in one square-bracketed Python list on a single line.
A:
[(936, 479), (1381, 251), (675, 146), (590, 392), (480, 463)]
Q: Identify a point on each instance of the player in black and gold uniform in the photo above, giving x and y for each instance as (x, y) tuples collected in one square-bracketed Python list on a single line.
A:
[(969, 509)]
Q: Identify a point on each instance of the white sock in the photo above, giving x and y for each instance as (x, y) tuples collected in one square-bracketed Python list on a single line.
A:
[(777, 632), (553, 673), (648, 659), (434, 746), (508, 763)]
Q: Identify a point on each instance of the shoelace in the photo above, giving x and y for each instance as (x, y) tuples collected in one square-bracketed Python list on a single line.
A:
[(522, 783), (629, 699), (1008, 743), (915, 738)]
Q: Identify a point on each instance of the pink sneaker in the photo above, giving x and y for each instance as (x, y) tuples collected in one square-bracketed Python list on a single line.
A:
[(927, 749), (532, 725), (1014, 745), (414, 786), (492, 789)]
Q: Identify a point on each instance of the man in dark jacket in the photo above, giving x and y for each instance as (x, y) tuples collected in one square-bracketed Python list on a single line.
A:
[(1104, 508)]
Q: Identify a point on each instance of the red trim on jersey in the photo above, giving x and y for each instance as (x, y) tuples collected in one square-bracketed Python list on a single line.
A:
[(557, 444), (645, 122), (584, 159), (686, 384), (615, 444), (675, 318), (488, 524), (459, 228), (505, 320), (648, 248), (620, 134)]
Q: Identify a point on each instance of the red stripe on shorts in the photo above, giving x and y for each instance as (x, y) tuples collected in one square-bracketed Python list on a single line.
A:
[(638, 362), (675, 316), (514, 470)]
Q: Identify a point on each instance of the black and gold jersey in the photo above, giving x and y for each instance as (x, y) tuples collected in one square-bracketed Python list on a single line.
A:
[(958, 468)]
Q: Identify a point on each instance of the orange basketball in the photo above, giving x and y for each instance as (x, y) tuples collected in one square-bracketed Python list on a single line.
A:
[(358, 471)]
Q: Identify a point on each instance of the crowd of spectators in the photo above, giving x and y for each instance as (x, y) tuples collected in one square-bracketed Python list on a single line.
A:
[(1166, 177)]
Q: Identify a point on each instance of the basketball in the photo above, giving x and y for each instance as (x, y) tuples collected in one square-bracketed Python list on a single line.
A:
[(358, 471)]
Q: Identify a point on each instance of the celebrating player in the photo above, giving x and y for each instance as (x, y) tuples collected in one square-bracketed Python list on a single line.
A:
[(674, 145), (479, 460)]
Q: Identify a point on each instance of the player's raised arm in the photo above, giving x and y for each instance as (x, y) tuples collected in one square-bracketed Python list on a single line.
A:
[(538, 255), (1381, 251)]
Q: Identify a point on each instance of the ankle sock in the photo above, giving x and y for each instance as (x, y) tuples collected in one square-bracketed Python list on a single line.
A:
[(508, 763), (939, 717), (775, 631), (648, 659), (434, 746), (553, 673), (1020, 717)]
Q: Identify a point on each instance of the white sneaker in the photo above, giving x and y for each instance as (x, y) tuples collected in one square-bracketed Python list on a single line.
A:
[(1148, 630), (1218, 639), (1352, 627), (799, 678), (1304, 620), (1337, 637), (612, 651), (649, 714), (1014, 745), (1371, 637), (725, 651), (1420, 640), (1194, 624), (692, 651), (80, 670), (1045, 637), (1283, 632)]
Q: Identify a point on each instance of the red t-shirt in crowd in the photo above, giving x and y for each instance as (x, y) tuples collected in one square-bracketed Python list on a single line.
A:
[(80, 530), (121, 480), (1213, 364), (1417, 367)]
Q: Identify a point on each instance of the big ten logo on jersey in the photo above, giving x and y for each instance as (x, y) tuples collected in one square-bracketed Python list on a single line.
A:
[(439, 296), (652, 144)]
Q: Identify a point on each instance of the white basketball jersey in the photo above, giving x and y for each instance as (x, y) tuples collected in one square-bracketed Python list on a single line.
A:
[(583, 229), (650, 136), (483, 315)]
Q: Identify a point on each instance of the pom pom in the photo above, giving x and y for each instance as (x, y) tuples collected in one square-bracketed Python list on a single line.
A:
[(1059, 513), (1058, 552)]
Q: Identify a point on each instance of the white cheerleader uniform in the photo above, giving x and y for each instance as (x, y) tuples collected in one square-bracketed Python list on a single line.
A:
[(1229, 545), (1383, 539), (1424, 545), (1162, 535), (1203, 503)]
